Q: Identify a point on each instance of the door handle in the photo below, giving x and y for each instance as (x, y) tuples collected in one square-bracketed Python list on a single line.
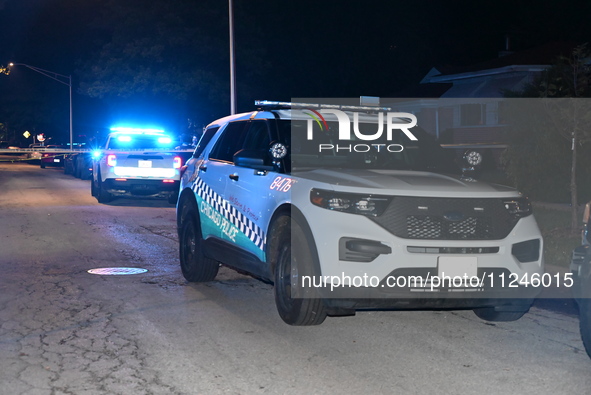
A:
[(203, 168), (234, 177)]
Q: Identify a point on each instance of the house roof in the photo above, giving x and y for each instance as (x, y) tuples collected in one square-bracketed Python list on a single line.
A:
[(426, 90), (490, 78), (542, 55)]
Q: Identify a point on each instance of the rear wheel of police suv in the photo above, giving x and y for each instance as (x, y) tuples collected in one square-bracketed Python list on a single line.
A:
[(102, 195), (294, 257), (196, 267), (92, 187)]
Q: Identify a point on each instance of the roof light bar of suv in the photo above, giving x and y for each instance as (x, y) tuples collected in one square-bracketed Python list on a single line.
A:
[(284, 105)]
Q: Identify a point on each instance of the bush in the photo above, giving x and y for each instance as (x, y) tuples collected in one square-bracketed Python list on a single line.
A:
[(538, 158)]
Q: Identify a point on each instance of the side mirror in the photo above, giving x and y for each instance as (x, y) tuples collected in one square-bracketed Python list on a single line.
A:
[(251, 159)]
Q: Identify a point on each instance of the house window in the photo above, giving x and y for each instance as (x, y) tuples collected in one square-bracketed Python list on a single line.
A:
[(472, 114)]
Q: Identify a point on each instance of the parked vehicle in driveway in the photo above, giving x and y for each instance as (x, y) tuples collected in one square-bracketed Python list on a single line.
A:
[(340, 224), (581, 269), (52, 155)]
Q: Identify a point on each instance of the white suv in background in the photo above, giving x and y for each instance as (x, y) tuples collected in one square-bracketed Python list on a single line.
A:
[(137, 162), (340, 226)]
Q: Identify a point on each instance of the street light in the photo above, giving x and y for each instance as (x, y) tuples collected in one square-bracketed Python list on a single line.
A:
[(59, 78), (232, 60)]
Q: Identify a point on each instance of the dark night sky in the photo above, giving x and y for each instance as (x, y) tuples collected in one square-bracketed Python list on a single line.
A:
[(323, 48)]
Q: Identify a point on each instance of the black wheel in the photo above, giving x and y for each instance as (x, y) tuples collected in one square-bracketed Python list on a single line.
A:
[(489, 314), (196, 267), (585, 323), (296, 305), (102, 195), (173, 197), (85, 174), (92, 187), (42, 165), (77, 172)]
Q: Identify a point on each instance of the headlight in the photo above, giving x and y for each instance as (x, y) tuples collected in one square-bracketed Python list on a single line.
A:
[(369, 205), (519, 207)]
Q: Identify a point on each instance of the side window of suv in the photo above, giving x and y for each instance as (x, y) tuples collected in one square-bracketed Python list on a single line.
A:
[(204, 140), (257, 137), (229, 143), (257, 140)]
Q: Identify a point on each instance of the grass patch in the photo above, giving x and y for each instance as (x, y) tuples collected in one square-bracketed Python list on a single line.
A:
[(559, 241)]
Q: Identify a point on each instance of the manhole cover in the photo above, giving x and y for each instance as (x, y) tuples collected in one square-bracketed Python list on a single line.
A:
[(117, 271)]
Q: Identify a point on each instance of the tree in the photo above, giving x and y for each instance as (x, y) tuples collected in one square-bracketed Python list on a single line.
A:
[(563, 111), (570, 77), (164, 56)]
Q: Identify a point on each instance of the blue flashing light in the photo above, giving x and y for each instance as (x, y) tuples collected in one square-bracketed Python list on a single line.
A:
[(125, 129), (164, 140), (96, 154), (124, 139)]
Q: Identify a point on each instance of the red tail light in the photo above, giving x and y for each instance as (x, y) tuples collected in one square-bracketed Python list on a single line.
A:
[(111, 160), (177, 162)]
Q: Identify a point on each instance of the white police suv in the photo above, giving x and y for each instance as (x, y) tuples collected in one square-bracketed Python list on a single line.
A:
[(137, 162), (346, 208)]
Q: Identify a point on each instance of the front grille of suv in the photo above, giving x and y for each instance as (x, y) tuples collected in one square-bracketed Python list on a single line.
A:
[(447, 218)]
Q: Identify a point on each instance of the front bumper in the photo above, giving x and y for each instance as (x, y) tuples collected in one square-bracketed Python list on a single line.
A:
[(497, 270)]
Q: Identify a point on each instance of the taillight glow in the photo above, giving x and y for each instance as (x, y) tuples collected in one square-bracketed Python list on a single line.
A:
[(168, 181), (111, 160), (177, 162)]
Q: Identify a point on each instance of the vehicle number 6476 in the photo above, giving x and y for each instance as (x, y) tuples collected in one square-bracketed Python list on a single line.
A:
[(282, 184)]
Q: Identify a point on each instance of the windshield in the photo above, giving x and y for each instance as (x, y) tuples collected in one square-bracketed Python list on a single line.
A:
[(325, 150)]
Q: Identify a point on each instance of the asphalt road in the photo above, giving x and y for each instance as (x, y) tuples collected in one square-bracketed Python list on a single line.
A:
[(65, 331)]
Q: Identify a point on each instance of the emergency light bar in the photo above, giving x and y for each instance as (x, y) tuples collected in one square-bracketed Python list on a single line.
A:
[(136, 130), (285, 105)]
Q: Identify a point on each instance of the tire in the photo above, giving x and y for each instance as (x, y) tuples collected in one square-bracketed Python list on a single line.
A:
[(102, 195), (296, 305), (489, 314), (84, 174), (196, 267), (173, 197), (42, 165), (585, 323)]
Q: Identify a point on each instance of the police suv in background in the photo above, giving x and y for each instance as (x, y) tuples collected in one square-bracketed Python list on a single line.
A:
[(341, 225), (137, 162)]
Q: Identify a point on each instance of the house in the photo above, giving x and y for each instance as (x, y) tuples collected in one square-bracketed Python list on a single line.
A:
[(463, 105)]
